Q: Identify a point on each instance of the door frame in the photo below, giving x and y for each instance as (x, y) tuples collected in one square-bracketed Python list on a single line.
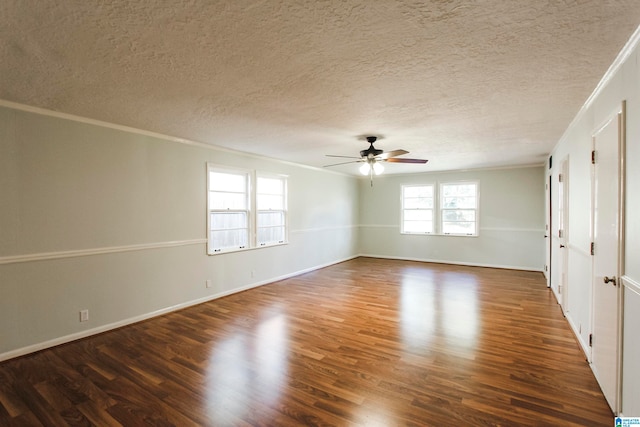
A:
[(620, 116), (558, 230), (563, 221), (622, 197), (548, 228)]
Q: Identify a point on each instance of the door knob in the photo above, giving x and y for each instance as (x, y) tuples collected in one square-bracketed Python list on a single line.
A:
[(561, 246), (611, 280)]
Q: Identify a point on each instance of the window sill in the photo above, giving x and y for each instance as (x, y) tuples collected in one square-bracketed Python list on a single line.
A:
[(228, 251), (440, 234)]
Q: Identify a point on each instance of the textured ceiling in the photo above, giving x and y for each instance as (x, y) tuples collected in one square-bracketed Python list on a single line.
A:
[(463, 83)]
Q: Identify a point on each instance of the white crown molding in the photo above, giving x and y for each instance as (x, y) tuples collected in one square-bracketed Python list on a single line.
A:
[(79, 119), (623, 55)]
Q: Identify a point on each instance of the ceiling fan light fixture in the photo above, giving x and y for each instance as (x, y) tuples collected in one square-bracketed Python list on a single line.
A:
[(377, 168), (365, 168)]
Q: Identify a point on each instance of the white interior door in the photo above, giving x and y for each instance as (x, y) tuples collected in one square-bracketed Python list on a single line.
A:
[(563, 234), (607, 237), (547, 231), (559, 235)]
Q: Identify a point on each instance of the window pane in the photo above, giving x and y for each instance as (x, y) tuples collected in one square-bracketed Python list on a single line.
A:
[(459, 227), (458, 215), (418, 191), (218, 200), (268, 201), (270, 186), (271, 205), (417, 205), (270, 235), (266, 219), (459, 202), (459, 190), (416, 215), (228, 220), (228, 239), (418, 226), (418, 202), (231, 182)]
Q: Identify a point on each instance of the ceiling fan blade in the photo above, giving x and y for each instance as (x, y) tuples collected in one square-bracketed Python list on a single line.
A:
[(343, 163), (393, 153), (406, 160), (344, 157)]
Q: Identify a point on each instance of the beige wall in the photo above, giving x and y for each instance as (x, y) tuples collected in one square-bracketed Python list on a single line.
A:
[(114, 221), (511, 220)]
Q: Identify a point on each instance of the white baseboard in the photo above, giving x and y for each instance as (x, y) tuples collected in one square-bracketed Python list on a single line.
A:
[(583, 345), (108, 327), (468, 264)]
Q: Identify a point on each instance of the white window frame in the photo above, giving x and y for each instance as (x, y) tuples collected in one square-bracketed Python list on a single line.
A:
[(283, 210), (474, 209), (438, 208), (404, 209), (251, 210), (211, 250)]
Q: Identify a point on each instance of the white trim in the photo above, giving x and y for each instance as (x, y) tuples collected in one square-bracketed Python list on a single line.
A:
[(72, 117), (557, 296), (75, 118), (79, 119), (108, 327), (496, 229), (576, 332), (97, 251), (623, 55), (629, 283), (322, 229), (468, 264), (444, 171), (44, 256), (513, 229)]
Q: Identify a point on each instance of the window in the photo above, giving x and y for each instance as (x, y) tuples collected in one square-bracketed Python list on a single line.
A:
[(417, 209), (233, 224), (228, 210), (458, 208), (271, 206), (448, 208)]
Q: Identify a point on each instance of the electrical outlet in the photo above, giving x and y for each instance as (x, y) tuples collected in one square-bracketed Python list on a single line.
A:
[(253, 273), (207, 283), (84, 315)]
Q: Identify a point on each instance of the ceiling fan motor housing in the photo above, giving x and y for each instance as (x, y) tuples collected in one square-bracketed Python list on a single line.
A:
[(371, 150)]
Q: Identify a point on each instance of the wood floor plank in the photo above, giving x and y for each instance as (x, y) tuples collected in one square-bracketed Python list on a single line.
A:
[(366, 342)]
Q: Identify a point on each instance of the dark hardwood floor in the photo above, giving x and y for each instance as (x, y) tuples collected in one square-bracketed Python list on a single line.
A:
[(365, 342)]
